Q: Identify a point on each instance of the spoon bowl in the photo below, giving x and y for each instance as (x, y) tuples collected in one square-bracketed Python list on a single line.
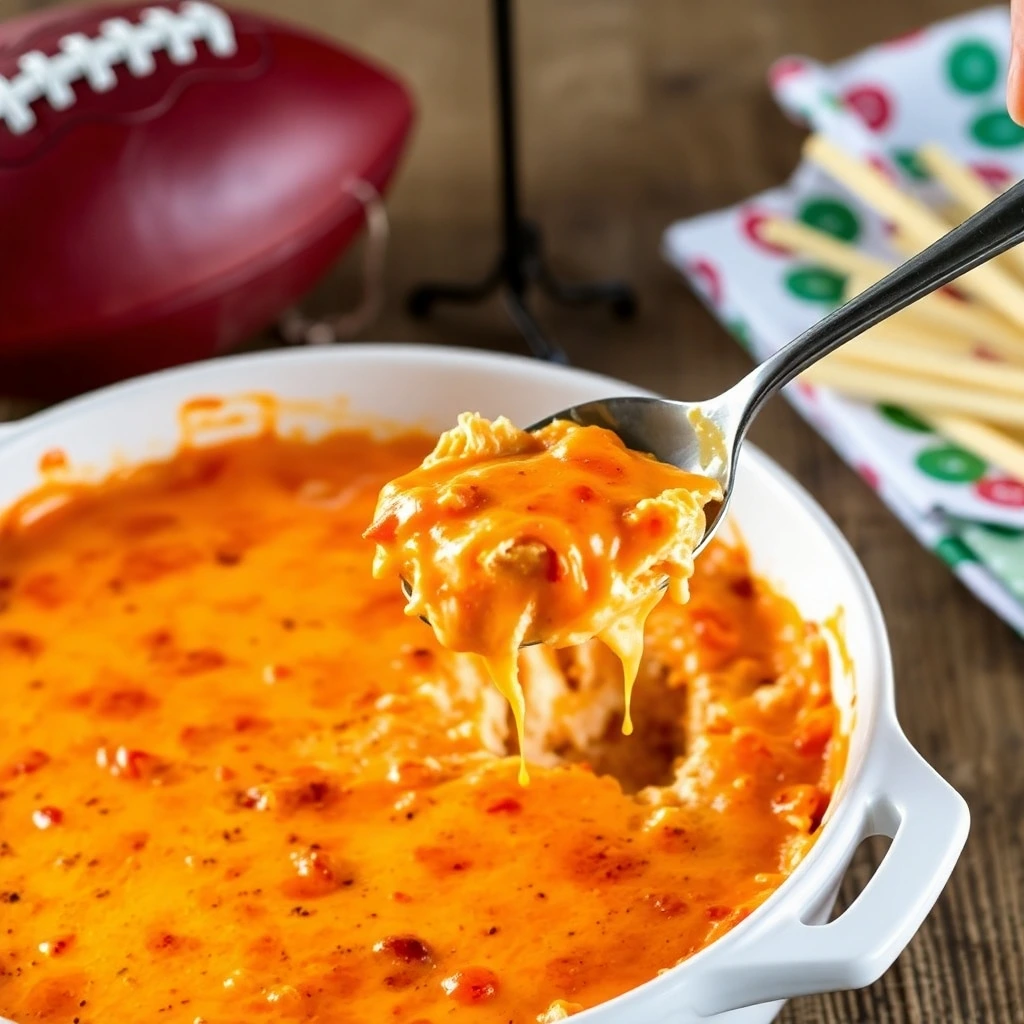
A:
[(692, 436)]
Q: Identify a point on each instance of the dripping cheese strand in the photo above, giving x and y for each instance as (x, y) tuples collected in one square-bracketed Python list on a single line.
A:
[(625, 638), (503, 669)]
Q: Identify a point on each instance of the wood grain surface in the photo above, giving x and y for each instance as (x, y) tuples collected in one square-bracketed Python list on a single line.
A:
[(634, 114)]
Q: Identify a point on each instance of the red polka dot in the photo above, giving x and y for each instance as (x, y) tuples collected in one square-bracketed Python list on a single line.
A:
[(750, 224), (905, 38), (871, 104), (788, 67), (809, 391), (994, 175), (709, 280), (1001, 490), (869, 475)]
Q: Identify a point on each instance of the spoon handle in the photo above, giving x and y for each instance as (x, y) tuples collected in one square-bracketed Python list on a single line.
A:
[(991, 231)]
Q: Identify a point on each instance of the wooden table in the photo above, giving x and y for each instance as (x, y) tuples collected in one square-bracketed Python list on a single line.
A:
[(637, 112)]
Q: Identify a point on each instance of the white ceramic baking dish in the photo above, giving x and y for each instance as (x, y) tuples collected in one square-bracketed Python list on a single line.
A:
[(785, 948)]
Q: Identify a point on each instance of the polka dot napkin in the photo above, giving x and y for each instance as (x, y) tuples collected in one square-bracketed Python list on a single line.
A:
[(944, 84)]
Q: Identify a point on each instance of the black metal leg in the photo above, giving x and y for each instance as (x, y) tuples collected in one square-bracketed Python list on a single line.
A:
[(521, 263), (616, 294), (422, 298), (539, 343)]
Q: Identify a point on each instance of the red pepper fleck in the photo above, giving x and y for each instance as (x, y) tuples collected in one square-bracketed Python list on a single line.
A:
[(718, 913), (58, 946), (222, 773), (401, 897), (471, 986), (383, 530), (124, 763), (743, 587), (584, 493), (206, 659), (158, 640), (406, 949), (27, 763), (441, 860), (255, 798), (554, 567), (17, 642), (124, 703), (45, 817), (315, 875), (422, 656), (467, 498), (307, 788), (667, 903), (136, 841), (507, 805), (163, 942), (247, 723)]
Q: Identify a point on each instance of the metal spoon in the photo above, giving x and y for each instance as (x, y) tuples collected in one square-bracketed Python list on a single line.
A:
[(666, 429)]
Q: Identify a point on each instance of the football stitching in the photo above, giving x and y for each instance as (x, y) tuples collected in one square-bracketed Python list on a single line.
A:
[(120, 42)]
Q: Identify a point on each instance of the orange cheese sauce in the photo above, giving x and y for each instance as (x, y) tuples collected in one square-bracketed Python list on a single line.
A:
[(555, 536), (237, 783)]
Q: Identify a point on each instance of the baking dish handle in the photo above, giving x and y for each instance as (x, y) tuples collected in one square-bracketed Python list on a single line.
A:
[(927, 821)]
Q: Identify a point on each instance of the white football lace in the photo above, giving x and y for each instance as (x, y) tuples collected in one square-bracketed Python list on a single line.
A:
[(50, 78)]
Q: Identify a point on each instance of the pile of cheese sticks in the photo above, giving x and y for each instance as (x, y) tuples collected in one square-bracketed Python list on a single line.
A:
[(955, 360)]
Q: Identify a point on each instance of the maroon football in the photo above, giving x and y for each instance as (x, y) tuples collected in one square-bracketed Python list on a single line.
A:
[(171, 179)]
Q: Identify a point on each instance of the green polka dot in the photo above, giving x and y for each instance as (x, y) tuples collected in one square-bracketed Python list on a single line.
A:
[(815, 284), (740, 330), (952, 550), (951, 464), (832, 101), (997, 130), (972, 67), (998, 530), (832, 217), (907, 159), (1002, 552), (902, 418)]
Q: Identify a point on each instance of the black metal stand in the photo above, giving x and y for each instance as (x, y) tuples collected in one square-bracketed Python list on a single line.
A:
[(521, 263)]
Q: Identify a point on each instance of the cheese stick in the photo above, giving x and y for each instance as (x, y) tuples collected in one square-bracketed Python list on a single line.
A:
[(900, 388), (996, 378)]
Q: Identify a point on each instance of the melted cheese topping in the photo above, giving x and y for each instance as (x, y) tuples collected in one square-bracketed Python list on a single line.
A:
[(238, 784), (557, 536)]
